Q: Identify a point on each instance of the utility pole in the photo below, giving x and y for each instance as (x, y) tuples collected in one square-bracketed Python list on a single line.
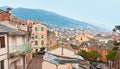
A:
[(62, 49)]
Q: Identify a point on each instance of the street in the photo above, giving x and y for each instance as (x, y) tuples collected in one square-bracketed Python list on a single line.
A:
[(36, 62)]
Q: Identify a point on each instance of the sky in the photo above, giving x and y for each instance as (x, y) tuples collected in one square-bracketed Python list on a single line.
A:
[(103, 13)]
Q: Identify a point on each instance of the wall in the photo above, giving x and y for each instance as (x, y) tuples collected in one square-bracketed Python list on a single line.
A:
[(8, 24), (3, 53), (66, 52), (47, 65), (39, 33), (16, 62), (3, 15), (28, 58)]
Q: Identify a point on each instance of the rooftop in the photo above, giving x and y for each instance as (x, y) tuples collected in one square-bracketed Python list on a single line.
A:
[(8, 30)]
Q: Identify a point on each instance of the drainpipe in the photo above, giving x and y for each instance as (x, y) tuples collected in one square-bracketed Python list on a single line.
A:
[(24, 66), (62, 50), (8, 49), (23, 61)]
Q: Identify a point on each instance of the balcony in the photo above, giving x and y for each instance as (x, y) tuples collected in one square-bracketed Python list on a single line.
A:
[(19, 50)]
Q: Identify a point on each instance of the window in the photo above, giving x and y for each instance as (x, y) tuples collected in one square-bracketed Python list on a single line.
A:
[(42, 28), (81, 38), (2, 42), (36, 42), (42, 42), (50, 42), (36, 51), (36, 36), (36, 29), (14, 41), (1, 64), (42, 36)]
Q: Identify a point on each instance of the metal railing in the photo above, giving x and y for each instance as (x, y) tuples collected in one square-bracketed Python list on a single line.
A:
[(20, 48)]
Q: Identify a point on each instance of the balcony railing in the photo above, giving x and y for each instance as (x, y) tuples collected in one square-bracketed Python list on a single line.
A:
[(21, 48)]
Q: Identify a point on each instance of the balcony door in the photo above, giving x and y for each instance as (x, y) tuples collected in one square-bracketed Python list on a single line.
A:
[(2, 42), (2, 64)]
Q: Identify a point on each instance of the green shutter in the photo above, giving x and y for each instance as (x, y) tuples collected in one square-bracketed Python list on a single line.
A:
[(36, 36), (42, 28), (36, 29), (42, 36)]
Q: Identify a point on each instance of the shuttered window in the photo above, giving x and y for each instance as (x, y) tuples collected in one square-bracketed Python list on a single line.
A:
[(36, 29), (36, 42), (42, 28)]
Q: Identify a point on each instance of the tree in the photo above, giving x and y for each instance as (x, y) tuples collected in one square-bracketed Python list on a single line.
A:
[(82, 53), (93, 55), (111, 55), (114, 42), (117, 29)]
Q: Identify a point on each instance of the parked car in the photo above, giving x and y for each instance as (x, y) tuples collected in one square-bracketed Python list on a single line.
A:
[(98, 66), (42, 51)]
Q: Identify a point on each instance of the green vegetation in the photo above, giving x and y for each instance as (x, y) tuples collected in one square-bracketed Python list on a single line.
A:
[(82, 53), (92, 55), (111, 55), (114, 42), (116, 28)]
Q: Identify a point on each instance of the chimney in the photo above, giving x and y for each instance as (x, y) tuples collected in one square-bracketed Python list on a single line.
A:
[(8, 10)]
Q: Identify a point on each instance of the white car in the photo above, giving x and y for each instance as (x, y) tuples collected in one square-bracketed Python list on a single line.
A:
[(98, 66)]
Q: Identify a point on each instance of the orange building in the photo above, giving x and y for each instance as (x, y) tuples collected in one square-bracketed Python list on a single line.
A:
[(5, 15), (103, 52)]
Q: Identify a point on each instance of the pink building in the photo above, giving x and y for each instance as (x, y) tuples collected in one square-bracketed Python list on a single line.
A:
[(39, 36)]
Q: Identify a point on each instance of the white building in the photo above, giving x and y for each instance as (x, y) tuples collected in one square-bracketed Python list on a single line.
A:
[(13, 48), (63, 58), (3, 51)]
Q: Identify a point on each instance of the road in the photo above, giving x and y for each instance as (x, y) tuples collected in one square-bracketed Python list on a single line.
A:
[(103, 66), (36, 62)]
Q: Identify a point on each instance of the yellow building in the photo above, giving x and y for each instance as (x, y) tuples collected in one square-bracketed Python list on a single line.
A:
[(83, 36)]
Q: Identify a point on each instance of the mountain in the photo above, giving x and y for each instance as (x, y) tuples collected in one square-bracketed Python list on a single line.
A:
[(51, 19)]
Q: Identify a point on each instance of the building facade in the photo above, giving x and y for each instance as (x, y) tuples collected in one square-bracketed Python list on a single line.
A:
[(39, 36), (15, 48), (3, 52), (51, 36)]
